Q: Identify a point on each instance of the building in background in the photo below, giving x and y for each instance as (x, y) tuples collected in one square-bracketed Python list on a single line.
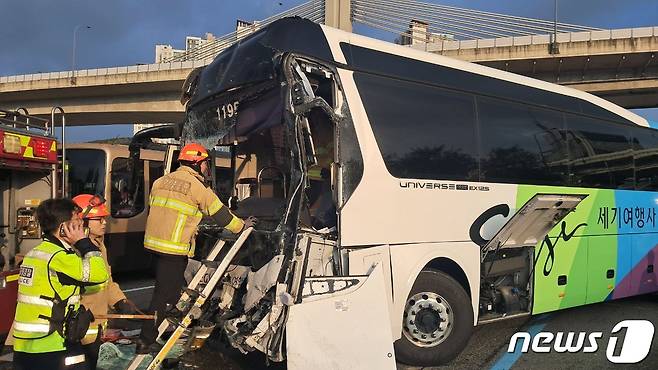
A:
[(166, 52), (163, 54), (244, 28), (419, 36)]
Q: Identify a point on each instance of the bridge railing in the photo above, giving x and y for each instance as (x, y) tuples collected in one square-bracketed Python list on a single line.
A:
[(601, 35), (99, 72)]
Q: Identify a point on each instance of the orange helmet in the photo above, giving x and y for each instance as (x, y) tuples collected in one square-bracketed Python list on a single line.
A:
[(96, 207), (193, 152)]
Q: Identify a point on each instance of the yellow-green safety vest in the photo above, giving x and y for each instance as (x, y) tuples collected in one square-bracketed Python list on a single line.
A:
[(39, 284)]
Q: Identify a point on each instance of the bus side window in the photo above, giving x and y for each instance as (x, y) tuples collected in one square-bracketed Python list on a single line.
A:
[(127, 199), (645, 152)]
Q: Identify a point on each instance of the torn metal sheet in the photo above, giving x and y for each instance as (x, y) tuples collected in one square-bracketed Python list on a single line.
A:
[(262, 329), (192, 267), (233, 334), (237, 275), (259, 282), (226, 297), (319, 256)]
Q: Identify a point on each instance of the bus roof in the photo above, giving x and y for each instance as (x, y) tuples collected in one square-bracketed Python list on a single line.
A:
[(324, 43), (336, 36)]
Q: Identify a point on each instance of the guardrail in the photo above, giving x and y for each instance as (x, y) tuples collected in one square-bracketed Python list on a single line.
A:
[(155, 67), (627, 33)]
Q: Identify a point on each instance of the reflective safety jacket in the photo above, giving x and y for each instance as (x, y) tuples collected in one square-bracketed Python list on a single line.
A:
[(178, 202), (52, 270), (99, 298)]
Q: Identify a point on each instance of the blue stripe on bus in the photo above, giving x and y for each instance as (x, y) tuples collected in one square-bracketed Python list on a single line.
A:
[(644, 238), (507, 360)]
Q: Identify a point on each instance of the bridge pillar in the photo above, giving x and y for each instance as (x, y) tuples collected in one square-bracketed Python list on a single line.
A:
[(337, 14)]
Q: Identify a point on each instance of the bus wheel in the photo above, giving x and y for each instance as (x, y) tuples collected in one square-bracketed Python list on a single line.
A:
[(437, 321)]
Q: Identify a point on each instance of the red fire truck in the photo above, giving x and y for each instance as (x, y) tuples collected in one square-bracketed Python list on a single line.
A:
[(28, 175)]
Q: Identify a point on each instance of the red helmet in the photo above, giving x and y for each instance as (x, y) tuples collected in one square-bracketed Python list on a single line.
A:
[(94, 203), (193, 152)]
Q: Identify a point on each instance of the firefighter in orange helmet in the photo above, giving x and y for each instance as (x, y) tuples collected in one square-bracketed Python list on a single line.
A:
[(99, 298), (177, 203)]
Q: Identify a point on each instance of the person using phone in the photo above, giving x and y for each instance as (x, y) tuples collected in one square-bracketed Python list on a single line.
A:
[(50, 321)]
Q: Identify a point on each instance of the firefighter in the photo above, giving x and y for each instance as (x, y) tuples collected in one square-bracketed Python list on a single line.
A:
[(178, 202), (49, 321), (99, 298)]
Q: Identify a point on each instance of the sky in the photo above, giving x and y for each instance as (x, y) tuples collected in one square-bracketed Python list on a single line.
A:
[(37, 35)]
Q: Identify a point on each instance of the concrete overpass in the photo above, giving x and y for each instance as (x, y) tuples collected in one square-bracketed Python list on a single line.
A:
[(617, 65), (145, 93)]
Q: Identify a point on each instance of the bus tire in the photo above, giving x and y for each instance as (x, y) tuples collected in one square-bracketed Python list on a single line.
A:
[(437, 321)]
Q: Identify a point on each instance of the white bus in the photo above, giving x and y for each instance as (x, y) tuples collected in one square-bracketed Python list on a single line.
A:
[(406, 197)]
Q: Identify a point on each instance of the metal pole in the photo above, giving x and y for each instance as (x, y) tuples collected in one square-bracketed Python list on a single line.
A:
[(554, 49), (52, 119), (555, 24), (75, 36)]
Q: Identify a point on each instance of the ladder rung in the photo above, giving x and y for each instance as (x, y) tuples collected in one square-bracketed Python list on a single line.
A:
[(211, 264), (193, 293), (174, 321), (195, 311)]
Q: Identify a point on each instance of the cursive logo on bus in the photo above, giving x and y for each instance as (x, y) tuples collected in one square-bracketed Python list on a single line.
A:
[(550, 245), (475, 233)]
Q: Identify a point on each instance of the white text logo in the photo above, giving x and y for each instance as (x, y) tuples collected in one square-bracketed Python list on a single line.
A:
[(638, 335)]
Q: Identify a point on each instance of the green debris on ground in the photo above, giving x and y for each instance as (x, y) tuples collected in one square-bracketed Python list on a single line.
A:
[(118, 357)]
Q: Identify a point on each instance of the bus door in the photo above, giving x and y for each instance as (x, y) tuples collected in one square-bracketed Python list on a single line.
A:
[(516, 254)]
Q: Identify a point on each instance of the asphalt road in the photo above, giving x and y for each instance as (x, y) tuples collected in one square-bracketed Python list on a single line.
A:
[(487, 348), (137, 287)]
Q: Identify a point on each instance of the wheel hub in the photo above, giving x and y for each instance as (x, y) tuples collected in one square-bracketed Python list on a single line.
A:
[(428, 319)]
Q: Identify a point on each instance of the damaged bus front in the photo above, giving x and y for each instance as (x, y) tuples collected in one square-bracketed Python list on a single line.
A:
[(273, 102)]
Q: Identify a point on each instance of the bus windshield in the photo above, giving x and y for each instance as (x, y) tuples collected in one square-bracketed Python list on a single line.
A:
[(251, 120), (247, 62), (234, 116), (86, 171)]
